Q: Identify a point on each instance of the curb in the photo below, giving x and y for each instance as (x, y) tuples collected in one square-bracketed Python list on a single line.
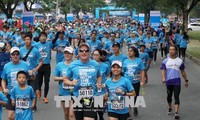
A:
[(197, 61)]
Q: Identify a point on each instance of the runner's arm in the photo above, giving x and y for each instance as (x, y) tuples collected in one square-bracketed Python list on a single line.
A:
[(163, 72)]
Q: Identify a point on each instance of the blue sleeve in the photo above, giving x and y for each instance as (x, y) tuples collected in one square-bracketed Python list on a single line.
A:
[(163, 66), (108, 70), (32, 93), (182, 67), (3, 97), (56, 71)]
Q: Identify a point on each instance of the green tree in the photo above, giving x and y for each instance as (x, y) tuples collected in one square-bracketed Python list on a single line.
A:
[(8, 6), (185, 6), (28, 4)]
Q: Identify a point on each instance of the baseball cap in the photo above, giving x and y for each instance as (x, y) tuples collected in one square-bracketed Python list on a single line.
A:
[(84, 44), (116, 44), (69, 49), (17, 30), (13, 49), (2, 44), (116, 62)]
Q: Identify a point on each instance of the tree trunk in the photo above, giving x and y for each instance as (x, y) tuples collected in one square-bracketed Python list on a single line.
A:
[(185, 21), (8, 13)]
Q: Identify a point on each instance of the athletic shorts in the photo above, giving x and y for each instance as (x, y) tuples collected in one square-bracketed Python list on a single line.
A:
[(33, 84), (81, 114), (150, 55), (9, 105), (119, 116)]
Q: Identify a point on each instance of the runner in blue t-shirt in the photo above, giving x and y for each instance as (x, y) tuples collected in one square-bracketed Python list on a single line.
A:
[(23, 98), (64, 90), (34, 61), (116, 54), (145, 58), (183, 45), (105, 73), (9, 73), (155, 46), (133, 69), (117, 88), (44, 71), (60, 45), (86, 77)]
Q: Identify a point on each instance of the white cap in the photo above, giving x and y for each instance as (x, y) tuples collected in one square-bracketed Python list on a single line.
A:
[(69, 49), (13, 49), (2, 44), (116, 62)]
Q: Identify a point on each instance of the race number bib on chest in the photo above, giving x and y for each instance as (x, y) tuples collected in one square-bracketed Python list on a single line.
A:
[(22, 103), (118, 104), (86, 92)]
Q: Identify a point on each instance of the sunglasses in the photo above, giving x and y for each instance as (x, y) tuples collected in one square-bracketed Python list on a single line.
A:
[(86, 51), (13, 54)]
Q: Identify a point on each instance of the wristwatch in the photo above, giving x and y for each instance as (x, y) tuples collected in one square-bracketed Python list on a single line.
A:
[(186, 80)]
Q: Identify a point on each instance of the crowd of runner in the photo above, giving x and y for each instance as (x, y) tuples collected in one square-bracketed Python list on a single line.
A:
[(89, 62)]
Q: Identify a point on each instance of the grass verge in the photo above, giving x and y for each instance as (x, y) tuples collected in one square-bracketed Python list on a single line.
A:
[(194, 48)]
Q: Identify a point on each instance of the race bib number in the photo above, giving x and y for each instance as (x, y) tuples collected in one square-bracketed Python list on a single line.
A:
[(67, 87), (22, 103), (154, 45), (118, 104), (136, 77), (86, 92), (43, 54)]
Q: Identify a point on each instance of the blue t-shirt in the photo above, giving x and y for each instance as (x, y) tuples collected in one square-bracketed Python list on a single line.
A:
[(45, 51), (148, 43), (5, 58), (132, 41), (108, 47), (23, 101), (60, 46), (60, 71), (4, 99), (105, 71), (94, 45), (10, 71), (125, 85), (120, 57), (145, 57), (177, 38), (132, 69), (172, 68), (183, 42), (161, 37), (155, 42), (86, 74), (33, 57)]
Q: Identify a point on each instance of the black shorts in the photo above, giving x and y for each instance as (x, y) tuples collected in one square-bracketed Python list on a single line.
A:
[(9, 104), (150, 55), (81, 114), (33, 84), (119, 116)]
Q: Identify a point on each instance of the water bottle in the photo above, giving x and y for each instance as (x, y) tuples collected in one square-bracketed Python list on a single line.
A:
[(142, 90)]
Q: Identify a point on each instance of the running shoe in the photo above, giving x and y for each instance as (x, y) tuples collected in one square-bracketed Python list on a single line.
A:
[(177, 117), (45, 100), (39, 94), (169, 111)]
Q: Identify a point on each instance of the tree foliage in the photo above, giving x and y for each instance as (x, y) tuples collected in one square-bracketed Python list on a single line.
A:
[(8, 6)]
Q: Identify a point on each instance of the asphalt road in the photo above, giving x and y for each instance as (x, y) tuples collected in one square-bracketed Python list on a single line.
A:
[(155, 97)]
